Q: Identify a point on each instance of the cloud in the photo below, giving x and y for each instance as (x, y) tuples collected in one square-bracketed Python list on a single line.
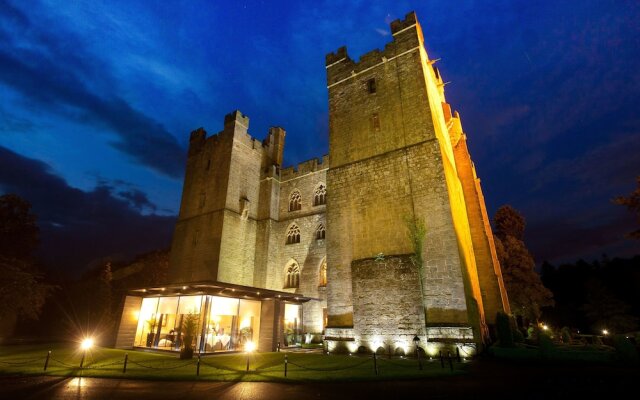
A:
[(52, 76), (78, 226), (566, 239), (137, 199), (613, 165)]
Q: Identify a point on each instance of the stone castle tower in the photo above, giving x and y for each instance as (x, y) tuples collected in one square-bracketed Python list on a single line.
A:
[(399, 158), (323, 248)]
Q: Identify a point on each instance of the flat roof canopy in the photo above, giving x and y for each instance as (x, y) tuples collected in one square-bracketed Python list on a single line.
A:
[(218, 289)]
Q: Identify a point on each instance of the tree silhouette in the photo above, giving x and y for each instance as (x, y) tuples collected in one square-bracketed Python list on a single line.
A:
[(632, 202), (18, 230), (526, 292), (509, 222), (605, 311), (22, 290)]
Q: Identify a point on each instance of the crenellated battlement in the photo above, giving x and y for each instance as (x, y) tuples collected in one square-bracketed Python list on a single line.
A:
[(236, 126), (339, 55), (304, 168), (399, 25), (407, 36)]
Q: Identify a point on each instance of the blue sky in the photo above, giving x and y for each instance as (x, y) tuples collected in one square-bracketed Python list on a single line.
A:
[(97, 100)]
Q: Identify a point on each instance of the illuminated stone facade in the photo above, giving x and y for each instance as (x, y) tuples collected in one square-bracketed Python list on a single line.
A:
[(335, 230), (237, 212), (397, 155)]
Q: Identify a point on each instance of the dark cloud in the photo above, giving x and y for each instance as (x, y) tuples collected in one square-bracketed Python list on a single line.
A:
[(137, 199), (77, 226), (566, 239), (51, 76)]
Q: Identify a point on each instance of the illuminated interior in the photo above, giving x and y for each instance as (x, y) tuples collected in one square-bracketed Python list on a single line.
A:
[(292, 324), (223, 323)]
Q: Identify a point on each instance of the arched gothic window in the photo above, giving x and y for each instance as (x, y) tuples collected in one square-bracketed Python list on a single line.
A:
[(323, 273), (320, 232), (292, 275), (293, 235), (320, 195), (295, 201)]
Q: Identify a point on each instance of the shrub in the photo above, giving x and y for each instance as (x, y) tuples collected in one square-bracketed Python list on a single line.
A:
[(518, 337), (565, 335), (533, 334), (505, 334), (546, 344), (625, 350)]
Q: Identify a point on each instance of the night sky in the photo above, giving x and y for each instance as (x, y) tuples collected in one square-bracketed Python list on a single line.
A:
[(97, 100)]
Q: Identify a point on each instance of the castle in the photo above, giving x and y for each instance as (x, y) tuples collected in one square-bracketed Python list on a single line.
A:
[(385, 239)]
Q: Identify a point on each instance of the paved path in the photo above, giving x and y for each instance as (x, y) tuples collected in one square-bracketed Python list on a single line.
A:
[(487, 379)]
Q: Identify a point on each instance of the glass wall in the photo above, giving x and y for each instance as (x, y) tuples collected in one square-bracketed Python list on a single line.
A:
[(292, 324), (222, 323), (146, 322)]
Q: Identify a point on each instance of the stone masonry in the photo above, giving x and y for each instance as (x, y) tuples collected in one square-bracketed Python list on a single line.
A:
[(234, 216), (397, 154), (393, 161)]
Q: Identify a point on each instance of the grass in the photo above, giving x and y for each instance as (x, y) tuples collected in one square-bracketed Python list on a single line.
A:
[(108, 363), (556, 353)]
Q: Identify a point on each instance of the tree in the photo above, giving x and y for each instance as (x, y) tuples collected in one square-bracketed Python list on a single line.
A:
[(18, 229), (527, 294), (509, 222), (632, 202), (105, 295), (22, 290), (605, 311)]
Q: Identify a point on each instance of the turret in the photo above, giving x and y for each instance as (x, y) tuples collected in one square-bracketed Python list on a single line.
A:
[(275, 144), (235, 122)]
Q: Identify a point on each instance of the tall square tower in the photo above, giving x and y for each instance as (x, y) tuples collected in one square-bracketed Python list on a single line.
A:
[(393, 144)]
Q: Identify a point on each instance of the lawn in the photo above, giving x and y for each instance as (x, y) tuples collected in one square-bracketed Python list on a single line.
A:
[(108, 363), (557, 353)]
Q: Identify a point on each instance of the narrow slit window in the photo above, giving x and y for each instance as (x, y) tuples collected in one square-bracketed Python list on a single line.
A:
[(371, 85), (375, 122)]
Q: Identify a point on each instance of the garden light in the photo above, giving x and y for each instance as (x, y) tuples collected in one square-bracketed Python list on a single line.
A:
[(86, 344), (605, 332), (249, 347)]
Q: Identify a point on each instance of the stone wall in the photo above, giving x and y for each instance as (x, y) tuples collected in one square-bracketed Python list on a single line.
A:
[(387, 301), (392, 160), (494, 295), (310, 252), (128, 322)]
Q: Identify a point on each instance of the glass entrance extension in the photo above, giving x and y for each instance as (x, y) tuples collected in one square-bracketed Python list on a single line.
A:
[(292, 324), (224, 323), (226, 318)]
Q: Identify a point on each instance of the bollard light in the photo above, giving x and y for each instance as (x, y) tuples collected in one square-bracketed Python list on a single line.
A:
[(416, 341), (249, 347), (86, 344)]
